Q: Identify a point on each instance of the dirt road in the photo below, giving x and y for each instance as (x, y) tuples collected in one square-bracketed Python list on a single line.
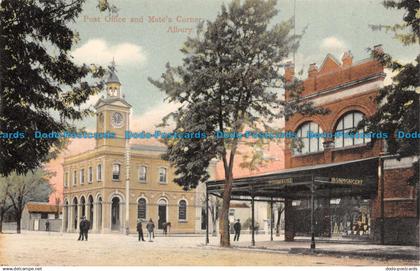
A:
[(32, 248)]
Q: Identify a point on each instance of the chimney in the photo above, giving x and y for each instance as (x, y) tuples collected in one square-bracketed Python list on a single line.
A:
[(313, 70), (378, 48), (347, 59), (289, 71)]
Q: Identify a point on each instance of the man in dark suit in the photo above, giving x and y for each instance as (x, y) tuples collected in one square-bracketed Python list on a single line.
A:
[(81, 229), (237, 228), (86, 228), (140, 230)]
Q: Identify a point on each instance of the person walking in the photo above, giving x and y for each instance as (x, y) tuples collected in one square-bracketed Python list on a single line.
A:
[(86, 228), (140, 230), (47, 225), (237, 229), (150, 229), (82, 229)]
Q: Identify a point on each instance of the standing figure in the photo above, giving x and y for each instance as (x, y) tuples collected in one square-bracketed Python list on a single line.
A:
[(237, 229), (150, 229), (86, 228), (140, 230), (47, 225), (81, 229), (165, 228)]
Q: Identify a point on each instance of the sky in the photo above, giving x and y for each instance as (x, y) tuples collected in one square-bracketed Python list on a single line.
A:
[(142, 47)]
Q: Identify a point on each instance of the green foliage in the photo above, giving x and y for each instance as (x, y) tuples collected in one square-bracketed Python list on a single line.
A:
[(399, 102), (41, 87), (230, 80), (408, 31)]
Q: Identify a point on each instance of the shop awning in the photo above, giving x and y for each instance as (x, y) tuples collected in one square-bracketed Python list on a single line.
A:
[(333, 180)]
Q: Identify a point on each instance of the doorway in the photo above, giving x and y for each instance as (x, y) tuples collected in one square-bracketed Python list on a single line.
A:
[(115, 214), (162, 213)]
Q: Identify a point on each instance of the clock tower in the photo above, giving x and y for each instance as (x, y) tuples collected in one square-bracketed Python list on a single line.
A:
[(112, 112)]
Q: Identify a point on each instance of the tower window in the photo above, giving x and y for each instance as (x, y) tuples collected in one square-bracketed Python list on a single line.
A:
[(82, 176), (90, 175), (116, 168), (162, 175), (142, 174), (99, 172), (74, 178), (66, 179)]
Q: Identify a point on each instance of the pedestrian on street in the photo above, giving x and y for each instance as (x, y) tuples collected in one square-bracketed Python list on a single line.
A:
[(47, 225), (237, 229), (86, 228), (150, 229), (140, 230), (165, 228), (81, 229)]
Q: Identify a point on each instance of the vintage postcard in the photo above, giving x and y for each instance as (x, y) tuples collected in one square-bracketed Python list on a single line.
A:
[(269, 133)]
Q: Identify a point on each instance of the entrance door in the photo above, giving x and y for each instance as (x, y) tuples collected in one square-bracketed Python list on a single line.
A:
[(115, 214), (162, 213)]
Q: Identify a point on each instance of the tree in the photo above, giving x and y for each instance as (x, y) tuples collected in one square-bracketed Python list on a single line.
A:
[(230, 80), (33, 186), (398, 103), (5, 204), (280, 209), (41, 88)]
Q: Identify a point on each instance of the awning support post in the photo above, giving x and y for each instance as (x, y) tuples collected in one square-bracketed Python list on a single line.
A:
[(381, 179), (272, 219), (253, 218), (312, 215), (207, 215)]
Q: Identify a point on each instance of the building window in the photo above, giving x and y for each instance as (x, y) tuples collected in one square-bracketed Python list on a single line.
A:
[(116, 168), (346, 129), (82, 176), (231, 212), (308, 143), (99, 172), (142, 174), (66, 179), (141, 209), (182, 210), (90, 173), (162, 175), (74, 178)]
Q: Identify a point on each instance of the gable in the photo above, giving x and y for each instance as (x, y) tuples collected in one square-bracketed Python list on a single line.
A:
[(330, 63)]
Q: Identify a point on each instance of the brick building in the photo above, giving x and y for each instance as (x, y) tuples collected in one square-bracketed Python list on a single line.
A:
[(348, 91)]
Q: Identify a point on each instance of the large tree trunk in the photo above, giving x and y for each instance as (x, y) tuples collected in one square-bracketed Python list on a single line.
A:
[(224, 217), (279, 212)]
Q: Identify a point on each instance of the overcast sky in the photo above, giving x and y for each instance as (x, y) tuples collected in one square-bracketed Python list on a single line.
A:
[(142, 49)]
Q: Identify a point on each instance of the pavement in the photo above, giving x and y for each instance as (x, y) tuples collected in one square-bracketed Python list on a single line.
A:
[(332, 247)]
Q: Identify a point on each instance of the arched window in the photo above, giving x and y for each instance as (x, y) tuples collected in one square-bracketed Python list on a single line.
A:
[(182, 210), (116, 168), (310, 139), (141, 209), (346, 129)]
